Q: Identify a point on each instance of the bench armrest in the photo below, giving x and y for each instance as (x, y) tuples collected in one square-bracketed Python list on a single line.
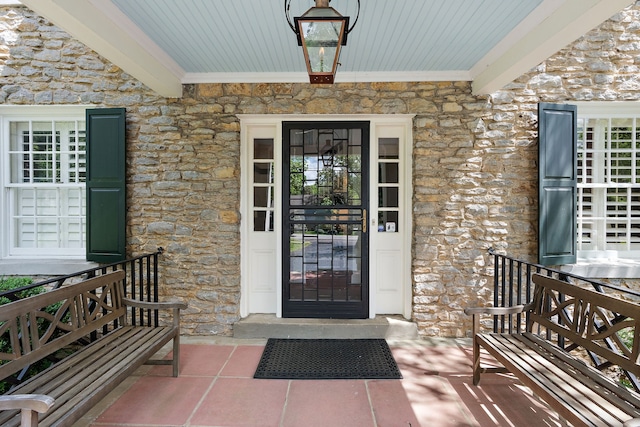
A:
[(32, 402), (154, 305), (633, 422), (494, 311), (29, 405), (175, 306), (497, 311)]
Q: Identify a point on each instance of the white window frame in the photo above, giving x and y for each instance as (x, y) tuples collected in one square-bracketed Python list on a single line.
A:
[(8, 250), (593, 220)]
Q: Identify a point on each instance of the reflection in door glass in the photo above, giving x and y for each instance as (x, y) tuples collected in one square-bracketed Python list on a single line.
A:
[(325, 167), (325, 263), (325, 199)]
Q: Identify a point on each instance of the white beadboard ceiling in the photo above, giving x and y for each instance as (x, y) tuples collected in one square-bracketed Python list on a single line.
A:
[(167, 43), (227, 36)]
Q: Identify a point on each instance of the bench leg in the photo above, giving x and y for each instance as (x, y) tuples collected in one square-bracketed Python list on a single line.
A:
[(476, 350), (176, 355), (28, 418), (476, 361)]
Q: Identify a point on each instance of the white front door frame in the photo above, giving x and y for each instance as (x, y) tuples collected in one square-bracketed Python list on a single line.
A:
[(261, 252)]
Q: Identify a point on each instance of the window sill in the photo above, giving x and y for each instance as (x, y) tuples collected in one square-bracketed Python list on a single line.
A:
[(605, 268), (43, 267)]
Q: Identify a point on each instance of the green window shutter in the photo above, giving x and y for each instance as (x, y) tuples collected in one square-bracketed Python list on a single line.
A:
[(106, 197), (557, 163)]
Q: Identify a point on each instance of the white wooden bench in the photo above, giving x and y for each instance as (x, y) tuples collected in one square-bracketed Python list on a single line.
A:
[(93, 310), (587, 321)]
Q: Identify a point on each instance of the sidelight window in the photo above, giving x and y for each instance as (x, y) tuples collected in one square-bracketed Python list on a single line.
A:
[(388, 184), (263, 184)]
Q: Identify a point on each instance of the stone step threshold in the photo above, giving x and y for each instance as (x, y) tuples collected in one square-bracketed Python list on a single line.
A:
[(270, 326)]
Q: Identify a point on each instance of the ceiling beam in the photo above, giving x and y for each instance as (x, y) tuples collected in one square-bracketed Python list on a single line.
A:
[(563, 25), (103, 28), (341, 77)]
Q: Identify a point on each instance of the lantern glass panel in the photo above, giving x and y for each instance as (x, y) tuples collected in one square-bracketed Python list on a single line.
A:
[(322, 42)]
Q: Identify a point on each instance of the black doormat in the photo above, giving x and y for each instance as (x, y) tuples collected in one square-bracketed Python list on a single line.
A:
[(315, 359)]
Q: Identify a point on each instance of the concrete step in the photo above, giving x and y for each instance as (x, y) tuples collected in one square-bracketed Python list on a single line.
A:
[(269, 326)]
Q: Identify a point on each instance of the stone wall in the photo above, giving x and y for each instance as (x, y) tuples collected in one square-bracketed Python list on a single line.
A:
[(474, 160)]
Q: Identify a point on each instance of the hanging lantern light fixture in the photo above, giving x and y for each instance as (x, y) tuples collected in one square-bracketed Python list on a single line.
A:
[(326, 154), (321, 31)]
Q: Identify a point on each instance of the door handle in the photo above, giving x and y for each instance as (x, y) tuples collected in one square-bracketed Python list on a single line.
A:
[(364, 220)]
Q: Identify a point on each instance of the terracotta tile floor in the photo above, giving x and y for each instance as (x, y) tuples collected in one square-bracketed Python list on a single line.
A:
[(216, 388)]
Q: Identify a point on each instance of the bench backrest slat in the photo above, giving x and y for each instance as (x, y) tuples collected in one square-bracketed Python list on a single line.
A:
[(586, 318), (85, 307)]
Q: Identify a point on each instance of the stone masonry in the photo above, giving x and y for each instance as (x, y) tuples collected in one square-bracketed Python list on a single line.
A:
[(474, 159)]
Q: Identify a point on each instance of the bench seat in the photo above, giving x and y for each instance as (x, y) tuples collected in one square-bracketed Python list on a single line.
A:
[(84, 378), (553, 375)]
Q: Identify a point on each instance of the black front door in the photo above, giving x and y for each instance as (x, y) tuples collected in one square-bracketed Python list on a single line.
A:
[(325, 242)]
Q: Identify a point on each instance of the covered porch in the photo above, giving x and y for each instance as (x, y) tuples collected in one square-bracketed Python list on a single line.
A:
[(216, 385), (216, 388)]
